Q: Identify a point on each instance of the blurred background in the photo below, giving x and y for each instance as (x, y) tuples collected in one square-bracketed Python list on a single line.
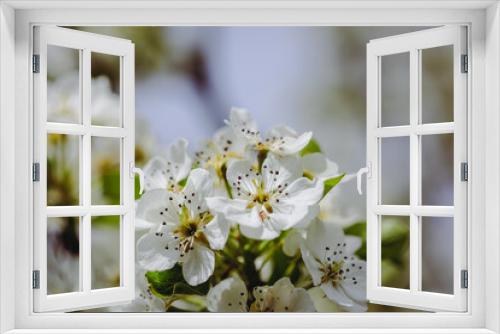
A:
[(310, 78)]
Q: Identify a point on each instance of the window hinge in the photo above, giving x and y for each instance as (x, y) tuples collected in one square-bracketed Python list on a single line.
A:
[(464, 280), (464, 171), (465, 64), (36, 172), (36, 63), (36, 279)]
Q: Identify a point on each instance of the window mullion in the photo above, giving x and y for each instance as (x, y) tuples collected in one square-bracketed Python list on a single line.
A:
[(414, 172), (85, 240)]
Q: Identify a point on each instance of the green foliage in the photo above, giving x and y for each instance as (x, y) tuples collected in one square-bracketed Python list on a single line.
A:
[(168, 282), (110, 179), (331, 183), (311, 147)]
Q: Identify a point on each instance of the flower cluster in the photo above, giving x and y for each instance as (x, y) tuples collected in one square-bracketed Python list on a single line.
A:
[(243, 215)]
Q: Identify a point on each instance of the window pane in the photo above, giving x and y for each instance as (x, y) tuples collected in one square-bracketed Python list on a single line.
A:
[(437, 84), (105, 95), (105, 252), (437, 254), (395, 235), (63, 165), (395, 173), (395, 89), (437, 169), (105, 170), (63, 247), (63, 85)]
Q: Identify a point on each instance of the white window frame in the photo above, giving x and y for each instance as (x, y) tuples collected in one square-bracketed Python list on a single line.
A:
[(16, 214), (85, 44), (412, 44)]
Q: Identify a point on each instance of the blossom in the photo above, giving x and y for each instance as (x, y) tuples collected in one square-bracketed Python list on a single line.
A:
[(264, 204), (281, 140), (333, 267), (185, 230), (160, 173), (317, 165), (224, 147), (231, 295)]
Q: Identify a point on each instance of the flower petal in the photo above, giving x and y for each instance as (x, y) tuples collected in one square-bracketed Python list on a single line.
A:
[(157, 251), (198, 265), (303, 191), (180, 161), (261, 232), (323, 239), (235, 210), (280, 172), (354, 283), (155, 175), (336, 295), (312, 265), (291, 244), (287, 143), (230, 295), (242, 179), (243, 125), (158, 206), (216, 232), (198, 187), (319, 166)]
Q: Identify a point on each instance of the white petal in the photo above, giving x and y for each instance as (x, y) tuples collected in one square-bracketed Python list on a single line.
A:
[(230, 295), (303, 191), (216, 232), (312, 265), (142, 225), (323, 239), (291, 145), (181, 162), (354, 284), (242, 178), (261, 232), (282, 131), (243, 125), (291, 244), (156, 251), (198, 265), (199, 185), (285, 216), (227, 141), (155, 175), (280, 171), (319, 166), (312, 213), (235, 210), (353, 244), (336, 295), (158, 206)]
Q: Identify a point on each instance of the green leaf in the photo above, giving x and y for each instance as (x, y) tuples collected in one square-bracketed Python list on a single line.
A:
[(311, 147), (329, 184), (168, 282)]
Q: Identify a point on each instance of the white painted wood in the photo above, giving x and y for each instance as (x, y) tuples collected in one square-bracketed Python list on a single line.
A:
[(413, 43), (275, 13), (86, 297)]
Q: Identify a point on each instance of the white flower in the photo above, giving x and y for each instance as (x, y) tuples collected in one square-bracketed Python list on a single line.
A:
[(264, 204), (330, 261), (185, 230), (224, 147), (280, 140), (231, 295), (160, 173), (317, 165)]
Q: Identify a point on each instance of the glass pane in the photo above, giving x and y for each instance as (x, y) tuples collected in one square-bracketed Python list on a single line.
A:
[(105, 95), (395, 170), (105, 258), (63, 85), (63, 165), (437, 84), (395, 89), (105, 170), (437, 169), (63, 247), (395, 235), (437, 254)]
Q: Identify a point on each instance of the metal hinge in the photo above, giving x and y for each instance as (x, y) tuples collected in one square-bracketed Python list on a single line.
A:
[(36, 172), (464, 279), (36, 279), (464, 171), (36, 63), (465, 63)]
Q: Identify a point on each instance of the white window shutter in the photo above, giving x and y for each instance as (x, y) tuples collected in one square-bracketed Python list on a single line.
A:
[(85, 295), (413, 44)]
